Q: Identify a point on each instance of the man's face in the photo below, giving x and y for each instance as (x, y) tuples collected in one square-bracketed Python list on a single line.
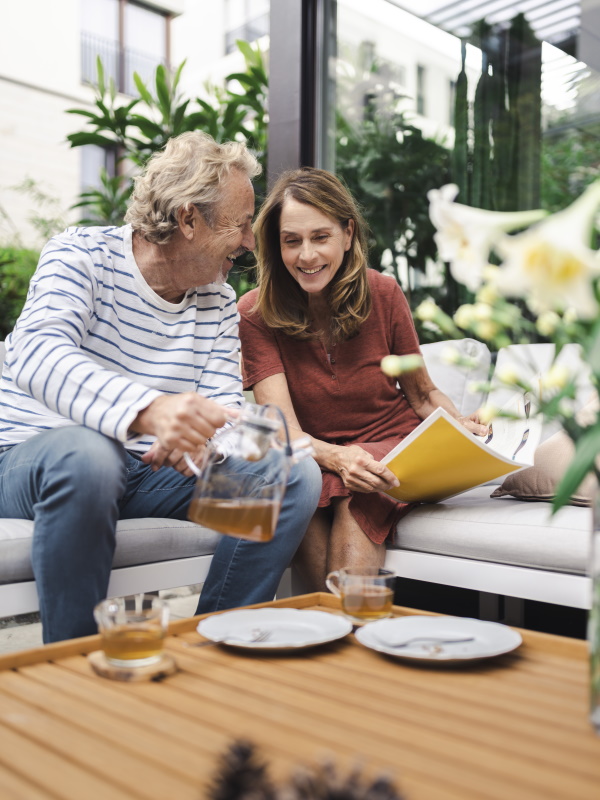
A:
[(230, 234)]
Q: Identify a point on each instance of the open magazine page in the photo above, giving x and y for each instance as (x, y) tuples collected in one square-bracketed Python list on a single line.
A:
[(517, 438), (441, 458)]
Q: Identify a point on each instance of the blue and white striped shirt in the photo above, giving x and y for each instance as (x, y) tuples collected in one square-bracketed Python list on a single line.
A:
[(94, 345)]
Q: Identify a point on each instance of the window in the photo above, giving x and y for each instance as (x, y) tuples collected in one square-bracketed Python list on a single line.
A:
[(507, 103), (245, 19), (421, 73), (451, 101), (129, 37), (94, 159)]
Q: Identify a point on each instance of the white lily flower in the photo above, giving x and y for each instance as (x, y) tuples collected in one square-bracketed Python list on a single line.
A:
[(487, 413), (551, 264), (464, 315), (555, 378), (508, 374), (392, 366), (547, 323), (465, 235), (450, 355), (427, 310)]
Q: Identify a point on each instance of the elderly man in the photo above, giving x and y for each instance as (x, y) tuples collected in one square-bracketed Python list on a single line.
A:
[(124, 357)]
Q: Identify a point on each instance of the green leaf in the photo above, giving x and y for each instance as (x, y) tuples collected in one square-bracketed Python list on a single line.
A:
[(260, 75), (144, 93), (100, 72), (178, 118), (83, 138), (244, 79), (162, 92), (593, 349), (83, 113), (147, 126), (177, 75), (247, 51)]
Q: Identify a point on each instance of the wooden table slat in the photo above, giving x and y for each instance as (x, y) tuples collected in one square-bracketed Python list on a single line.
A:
[(49, 772), (138, 776)]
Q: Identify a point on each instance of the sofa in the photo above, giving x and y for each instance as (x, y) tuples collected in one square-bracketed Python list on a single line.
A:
[(500, 547)]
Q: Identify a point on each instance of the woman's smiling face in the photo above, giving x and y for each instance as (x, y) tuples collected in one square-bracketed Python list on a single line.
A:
[(313, 245)]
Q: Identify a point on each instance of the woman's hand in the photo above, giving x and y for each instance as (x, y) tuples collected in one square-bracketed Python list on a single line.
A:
[(360, 472), (473, 423)]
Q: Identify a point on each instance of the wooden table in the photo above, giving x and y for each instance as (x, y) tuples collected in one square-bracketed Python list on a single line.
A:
[(509, 728)]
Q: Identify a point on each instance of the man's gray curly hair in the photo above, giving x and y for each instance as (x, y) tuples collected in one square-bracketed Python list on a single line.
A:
[(189, 171)]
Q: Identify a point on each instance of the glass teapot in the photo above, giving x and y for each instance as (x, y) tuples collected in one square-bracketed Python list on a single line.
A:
[(246, 503)]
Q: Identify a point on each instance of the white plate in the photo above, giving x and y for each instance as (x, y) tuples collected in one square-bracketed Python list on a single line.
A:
[(488, 638), (289, 628)]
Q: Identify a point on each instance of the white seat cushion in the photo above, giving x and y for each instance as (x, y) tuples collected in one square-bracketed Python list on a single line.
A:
[(139, 541), (457, 382), (501, 530)]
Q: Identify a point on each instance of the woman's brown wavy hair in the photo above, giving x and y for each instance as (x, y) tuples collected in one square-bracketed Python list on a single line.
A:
[(281, 301)]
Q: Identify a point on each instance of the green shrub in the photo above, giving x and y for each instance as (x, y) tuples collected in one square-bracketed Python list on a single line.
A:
[(16, 268)]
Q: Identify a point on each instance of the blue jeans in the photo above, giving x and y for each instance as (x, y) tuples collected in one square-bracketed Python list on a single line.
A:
[(75, 483)]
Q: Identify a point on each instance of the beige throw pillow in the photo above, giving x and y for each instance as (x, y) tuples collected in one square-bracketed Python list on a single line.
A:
[(539, 482)]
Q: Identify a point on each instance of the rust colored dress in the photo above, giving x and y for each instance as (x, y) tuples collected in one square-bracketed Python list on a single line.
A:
[(343, 398)]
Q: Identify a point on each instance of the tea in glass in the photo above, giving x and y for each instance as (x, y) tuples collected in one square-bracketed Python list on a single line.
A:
[(366, 593), (367, 603), (132, 629), (245, 518)]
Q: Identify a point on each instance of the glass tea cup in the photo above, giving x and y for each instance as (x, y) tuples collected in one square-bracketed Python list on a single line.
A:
[(367, 593), (132, 629)]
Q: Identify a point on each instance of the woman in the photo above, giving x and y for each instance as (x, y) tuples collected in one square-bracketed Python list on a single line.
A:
[(313, 336)]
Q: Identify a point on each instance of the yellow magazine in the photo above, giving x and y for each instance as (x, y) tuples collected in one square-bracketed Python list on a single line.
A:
[(441, 458)]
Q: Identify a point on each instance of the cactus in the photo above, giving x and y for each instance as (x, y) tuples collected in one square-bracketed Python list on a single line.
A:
[(504, 150), (524, 71), (460, 153)]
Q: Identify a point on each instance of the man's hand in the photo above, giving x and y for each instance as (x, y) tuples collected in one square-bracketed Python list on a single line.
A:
[(360, 472), (158, 456), (181, 423)]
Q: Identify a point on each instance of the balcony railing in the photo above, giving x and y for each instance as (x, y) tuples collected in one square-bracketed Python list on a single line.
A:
[(250, 32), (119, 62)]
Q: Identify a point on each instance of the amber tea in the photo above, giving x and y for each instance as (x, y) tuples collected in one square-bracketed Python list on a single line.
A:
[(246, 518), (132, 629), (366, 593), (367, 603), (126, 643)]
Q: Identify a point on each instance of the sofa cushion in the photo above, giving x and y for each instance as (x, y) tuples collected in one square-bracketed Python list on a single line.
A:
[(139, 541), (458, 382), (504, 531), (539, 482)]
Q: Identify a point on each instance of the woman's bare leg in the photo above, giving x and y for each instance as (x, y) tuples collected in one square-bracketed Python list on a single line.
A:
[(349, 545), (311, 557)]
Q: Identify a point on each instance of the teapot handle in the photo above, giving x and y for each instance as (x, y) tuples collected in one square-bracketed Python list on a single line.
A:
[(288, 445), (188, 460)]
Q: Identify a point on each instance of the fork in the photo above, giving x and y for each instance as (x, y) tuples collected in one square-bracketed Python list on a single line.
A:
[(430, 640), (256, 635)]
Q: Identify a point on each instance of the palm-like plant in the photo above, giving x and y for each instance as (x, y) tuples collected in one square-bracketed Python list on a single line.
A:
[(135, 136)]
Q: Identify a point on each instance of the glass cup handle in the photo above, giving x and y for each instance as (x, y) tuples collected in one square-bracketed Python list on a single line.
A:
[(331, 581)]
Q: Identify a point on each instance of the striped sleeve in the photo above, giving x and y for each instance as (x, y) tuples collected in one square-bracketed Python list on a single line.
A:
[(46, 359)]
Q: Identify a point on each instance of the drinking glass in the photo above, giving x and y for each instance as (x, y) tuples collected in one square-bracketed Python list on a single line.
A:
[(367, 593), (132, 629)]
